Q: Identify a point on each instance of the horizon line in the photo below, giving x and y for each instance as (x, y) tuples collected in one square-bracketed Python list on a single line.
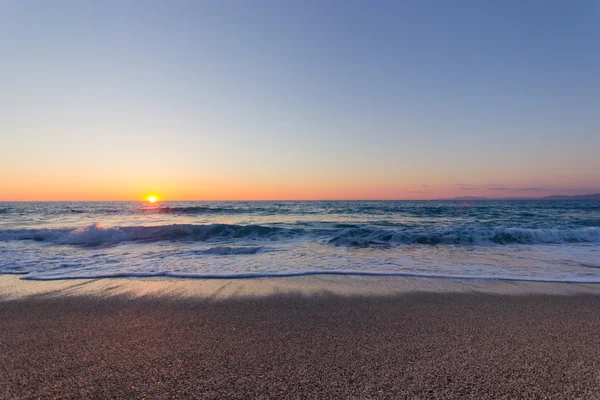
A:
[(458, 198)]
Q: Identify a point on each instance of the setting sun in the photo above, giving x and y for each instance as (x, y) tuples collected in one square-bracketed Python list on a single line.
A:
[(152, 199)]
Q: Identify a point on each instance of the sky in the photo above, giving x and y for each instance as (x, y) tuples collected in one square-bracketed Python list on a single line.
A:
[(231, 100)]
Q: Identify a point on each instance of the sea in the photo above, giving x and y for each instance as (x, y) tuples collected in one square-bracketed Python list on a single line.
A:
[(533, 240)]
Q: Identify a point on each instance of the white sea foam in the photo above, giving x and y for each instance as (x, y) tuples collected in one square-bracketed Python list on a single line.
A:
[(98, 234)]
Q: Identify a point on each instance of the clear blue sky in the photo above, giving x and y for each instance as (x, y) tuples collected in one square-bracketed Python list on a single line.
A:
[(306, 99)]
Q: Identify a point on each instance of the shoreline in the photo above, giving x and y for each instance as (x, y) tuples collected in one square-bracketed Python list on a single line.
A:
[(274, 275), (13, 287)]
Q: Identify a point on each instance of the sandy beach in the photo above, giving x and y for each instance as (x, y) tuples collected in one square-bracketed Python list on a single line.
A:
[(298, 338)]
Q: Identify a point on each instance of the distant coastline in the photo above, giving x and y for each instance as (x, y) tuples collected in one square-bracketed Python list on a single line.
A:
[(594, 196)]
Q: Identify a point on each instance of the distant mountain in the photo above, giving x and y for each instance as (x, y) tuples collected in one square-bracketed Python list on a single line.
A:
[(595, 196)]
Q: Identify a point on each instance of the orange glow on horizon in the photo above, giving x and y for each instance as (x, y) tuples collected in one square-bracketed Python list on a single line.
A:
[(152, 198), (118, 188)]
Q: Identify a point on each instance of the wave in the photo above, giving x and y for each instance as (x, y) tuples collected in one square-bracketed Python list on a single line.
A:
[(263, 210), (364, 237), (229, 250), (533, 236), (250, 275), (97, 234), (190, 210), (576, 213), (344, 235)]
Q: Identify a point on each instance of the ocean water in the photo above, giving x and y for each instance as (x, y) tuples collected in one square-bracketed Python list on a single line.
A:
[(524, 240)]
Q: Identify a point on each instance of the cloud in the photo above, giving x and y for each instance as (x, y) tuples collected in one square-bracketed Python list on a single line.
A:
[(522, 189), (466, 188), (527, 189), (425, 186), (462, 184)]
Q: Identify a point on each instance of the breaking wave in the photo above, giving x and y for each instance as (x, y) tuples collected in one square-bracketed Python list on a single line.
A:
[(98, 234), (465, 236), (342, 235)]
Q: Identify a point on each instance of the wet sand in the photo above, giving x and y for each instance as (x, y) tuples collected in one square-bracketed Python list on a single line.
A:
[(130, 339)]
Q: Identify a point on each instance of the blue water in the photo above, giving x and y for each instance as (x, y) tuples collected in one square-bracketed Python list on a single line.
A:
[(528, 240)]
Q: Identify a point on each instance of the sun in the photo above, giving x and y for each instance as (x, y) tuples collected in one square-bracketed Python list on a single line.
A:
[(152, 199)]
